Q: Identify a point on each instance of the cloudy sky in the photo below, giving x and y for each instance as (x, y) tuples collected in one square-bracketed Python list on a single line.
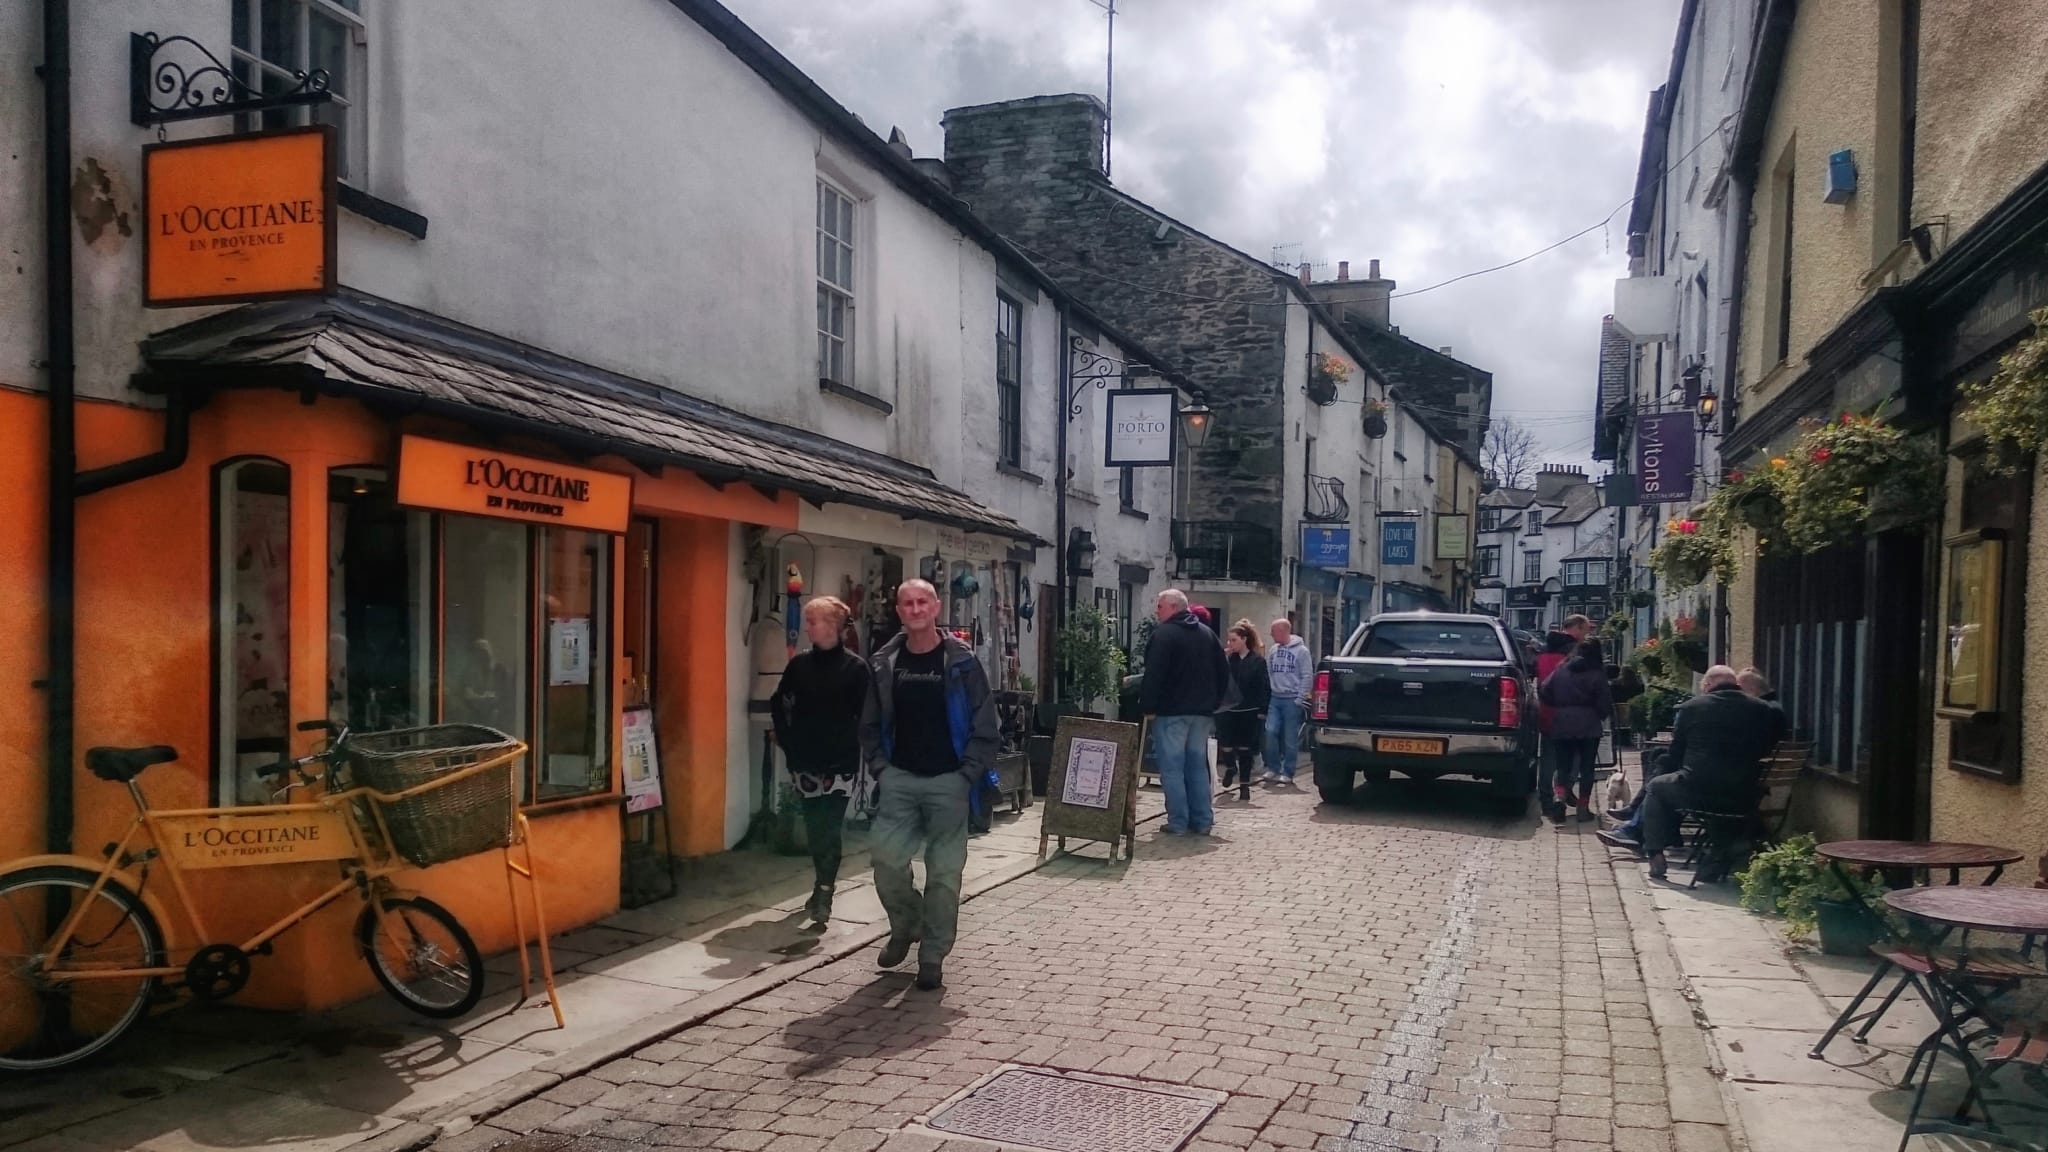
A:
[(1437, 136)]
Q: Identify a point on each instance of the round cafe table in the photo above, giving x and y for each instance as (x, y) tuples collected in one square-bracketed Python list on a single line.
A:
[(1921, 857), (2019, 911)]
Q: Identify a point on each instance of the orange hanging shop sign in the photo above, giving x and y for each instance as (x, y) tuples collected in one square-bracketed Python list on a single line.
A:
[(480, 482), (235, 218)]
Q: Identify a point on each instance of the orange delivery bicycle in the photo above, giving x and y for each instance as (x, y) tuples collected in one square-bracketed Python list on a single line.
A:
[(83, 945)]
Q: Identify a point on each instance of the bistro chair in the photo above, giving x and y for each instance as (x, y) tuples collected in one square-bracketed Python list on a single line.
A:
[(1713, 838)]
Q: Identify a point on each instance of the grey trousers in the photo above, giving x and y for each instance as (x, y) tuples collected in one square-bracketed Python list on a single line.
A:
[(930, 811)]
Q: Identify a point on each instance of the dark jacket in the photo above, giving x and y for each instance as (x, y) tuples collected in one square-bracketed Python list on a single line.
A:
[(1719, 740), (970, 708), (1185, 672), (1580, 701), (1254, 690), (817, 711)]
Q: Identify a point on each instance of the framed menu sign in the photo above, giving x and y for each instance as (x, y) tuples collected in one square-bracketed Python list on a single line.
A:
[(1971, 624), (1093, 783)]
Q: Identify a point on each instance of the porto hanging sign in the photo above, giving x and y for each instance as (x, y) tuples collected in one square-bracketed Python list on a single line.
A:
[(1141, 428), (1664, 456)]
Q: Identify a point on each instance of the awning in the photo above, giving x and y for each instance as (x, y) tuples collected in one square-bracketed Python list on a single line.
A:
[(373, 349)]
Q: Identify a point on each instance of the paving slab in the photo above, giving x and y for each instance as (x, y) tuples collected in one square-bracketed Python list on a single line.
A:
[(1736, 955)]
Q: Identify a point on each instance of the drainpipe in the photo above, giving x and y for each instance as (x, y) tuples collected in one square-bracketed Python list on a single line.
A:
[(1059, 469), (59, 338)]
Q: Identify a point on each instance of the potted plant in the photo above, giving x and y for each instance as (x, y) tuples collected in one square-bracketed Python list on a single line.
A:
[(1375, 418), (2010, 406), (1648, 658), (1326, 373), (1641, 598), (1753, 499), (1090, 663), (1790, 881)]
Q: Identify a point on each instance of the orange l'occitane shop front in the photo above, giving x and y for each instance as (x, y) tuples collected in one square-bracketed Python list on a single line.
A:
[(313, 557)]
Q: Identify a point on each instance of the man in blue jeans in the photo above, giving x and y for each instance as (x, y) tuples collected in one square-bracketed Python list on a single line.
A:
[(1289, 667), (1186, 677)]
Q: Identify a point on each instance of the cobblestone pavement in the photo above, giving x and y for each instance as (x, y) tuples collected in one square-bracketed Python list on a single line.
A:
[(1418, 973)]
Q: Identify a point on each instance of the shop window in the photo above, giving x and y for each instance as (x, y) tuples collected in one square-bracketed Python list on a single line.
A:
[(570, 753), (1983, 623), (381, 666), (486, 624), (252, 617), (1812, 642)]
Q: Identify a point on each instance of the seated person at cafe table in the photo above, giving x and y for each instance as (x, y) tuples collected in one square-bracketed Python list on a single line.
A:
[(1718, 741)]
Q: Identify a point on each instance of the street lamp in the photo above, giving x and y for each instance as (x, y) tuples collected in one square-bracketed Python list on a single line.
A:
[(1195, 420), (1709, 404)]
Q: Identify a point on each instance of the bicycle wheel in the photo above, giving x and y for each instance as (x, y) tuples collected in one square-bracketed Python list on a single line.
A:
[(48, 1023), (421, 955)]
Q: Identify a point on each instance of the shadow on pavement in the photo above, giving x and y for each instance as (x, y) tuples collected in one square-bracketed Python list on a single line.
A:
[(1470, 808), (883, 1018)]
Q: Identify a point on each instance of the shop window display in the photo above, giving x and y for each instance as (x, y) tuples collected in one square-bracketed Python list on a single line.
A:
[(252, 613)]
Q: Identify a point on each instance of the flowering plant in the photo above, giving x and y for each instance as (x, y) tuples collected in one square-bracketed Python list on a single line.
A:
[(1329, 369), (1838, 471), (1692, 550), (1375, 407), (1753, 499), (2011, 405)]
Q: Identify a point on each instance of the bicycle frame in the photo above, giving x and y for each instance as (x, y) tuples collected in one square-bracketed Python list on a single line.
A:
[(363, 865)]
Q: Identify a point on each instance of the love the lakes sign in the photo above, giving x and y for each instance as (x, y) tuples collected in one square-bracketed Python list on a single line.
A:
[(481, 482), (237, 218)]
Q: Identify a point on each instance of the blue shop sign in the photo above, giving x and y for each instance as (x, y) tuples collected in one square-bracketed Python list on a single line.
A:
[(1397, 542), (1325, 547)]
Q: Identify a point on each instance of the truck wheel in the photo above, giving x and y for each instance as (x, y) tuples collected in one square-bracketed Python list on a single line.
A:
[(1336, 789)]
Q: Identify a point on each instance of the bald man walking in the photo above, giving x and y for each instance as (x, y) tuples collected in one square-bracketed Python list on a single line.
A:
[(1186, 680), (1289, 667)]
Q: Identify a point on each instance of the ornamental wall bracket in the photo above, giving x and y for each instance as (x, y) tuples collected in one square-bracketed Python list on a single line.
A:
[(176, 78), (1085, 366)]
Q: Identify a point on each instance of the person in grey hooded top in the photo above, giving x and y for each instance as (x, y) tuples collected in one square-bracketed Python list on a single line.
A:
[(929, 732), (1289, 667)]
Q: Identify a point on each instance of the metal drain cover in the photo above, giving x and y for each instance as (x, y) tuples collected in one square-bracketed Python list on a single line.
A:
[(1075, 1112)]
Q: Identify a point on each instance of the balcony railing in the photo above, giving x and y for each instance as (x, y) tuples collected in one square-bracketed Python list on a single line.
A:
[(1326, 503), (1226, 550)]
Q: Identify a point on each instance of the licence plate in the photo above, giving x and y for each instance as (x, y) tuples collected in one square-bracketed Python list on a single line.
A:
[(1410, 747)]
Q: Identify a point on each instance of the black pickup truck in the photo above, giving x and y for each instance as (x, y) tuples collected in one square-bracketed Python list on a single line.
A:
[(1425, 694)]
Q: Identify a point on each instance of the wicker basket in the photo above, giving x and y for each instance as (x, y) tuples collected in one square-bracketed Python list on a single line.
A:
[(471, 815)]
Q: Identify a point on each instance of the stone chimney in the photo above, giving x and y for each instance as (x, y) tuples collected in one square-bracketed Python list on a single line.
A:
[(1368, 300), (1016, 140)]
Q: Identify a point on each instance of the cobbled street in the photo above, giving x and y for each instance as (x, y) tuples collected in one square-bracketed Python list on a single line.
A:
[(1417, 973)]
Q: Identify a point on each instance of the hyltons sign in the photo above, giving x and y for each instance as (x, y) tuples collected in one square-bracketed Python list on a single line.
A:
[(1140, 433), (236, 218), (1664, 457), (480, 482)]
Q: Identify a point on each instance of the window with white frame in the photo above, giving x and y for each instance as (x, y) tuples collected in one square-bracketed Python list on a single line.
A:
[(1532, 567), (1489, 560), (835, 285), (1009, 380), (1596, 571), (273, 39), (1574, 573)]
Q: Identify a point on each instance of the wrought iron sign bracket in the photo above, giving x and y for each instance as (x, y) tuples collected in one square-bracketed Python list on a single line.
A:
[(1087, 366), (168, 83)]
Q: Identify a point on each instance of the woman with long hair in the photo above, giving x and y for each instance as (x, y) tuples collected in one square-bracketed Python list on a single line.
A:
[(1580, 704), (1239, 730)]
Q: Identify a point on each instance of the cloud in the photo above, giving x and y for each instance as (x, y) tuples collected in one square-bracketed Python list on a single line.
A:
[(1438, 136)]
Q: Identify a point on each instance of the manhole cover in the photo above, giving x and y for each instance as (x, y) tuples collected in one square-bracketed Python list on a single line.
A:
[(1075, 1112)]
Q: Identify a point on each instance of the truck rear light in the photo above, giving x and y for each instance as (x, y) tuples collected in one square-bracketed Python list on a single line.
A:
[(1510, 702), (1322, 697)]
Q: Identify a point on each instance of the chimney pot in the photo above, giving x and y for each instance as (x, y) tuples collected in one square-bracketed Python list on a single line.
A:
[(1307, 270), (1343, 269), (1446, 349), (1372, 270)]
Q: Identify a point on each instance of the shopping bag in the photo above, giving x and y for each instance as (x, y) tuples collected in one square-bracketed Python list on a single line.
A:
[(1603, 756)]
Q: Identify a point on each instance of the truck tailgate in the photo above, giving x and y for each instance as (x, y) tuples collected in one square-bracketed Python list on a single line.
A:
[(1440, 695)]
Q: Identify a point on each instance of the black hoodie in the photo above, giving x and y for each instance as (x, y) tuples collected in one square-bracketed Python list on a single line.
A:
[(817, 709)]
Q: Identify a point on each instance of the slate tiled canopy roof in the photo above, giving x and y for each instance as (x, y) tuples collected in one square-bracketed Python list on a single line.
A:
[(361, 346)]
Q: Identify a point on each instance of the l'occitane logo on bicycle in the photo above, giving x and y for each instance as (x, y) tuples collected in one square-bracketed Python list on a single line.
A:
[(274, 838)]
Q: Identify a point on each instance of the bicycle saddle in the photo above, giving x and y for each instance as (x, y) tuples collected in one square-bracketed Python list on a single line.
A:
[(121, 765)]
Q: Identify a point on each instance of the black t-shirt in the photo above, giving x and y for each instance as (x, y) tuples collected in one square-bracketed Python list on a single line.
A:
[(923, 736)]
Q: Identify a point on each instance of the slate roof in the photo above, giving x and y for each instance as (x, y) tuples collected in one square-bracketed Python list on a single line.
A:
[(362, 346), (1430, 382), (1580, 501), (1508, 498)]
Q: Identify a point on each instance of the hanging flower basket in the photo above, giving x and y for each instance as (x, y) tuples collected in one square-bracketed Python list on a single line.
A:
[(1692, 551), (1325, 374), (1641, 598), (1842, 473), (2011, 404), (1375, 419)]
